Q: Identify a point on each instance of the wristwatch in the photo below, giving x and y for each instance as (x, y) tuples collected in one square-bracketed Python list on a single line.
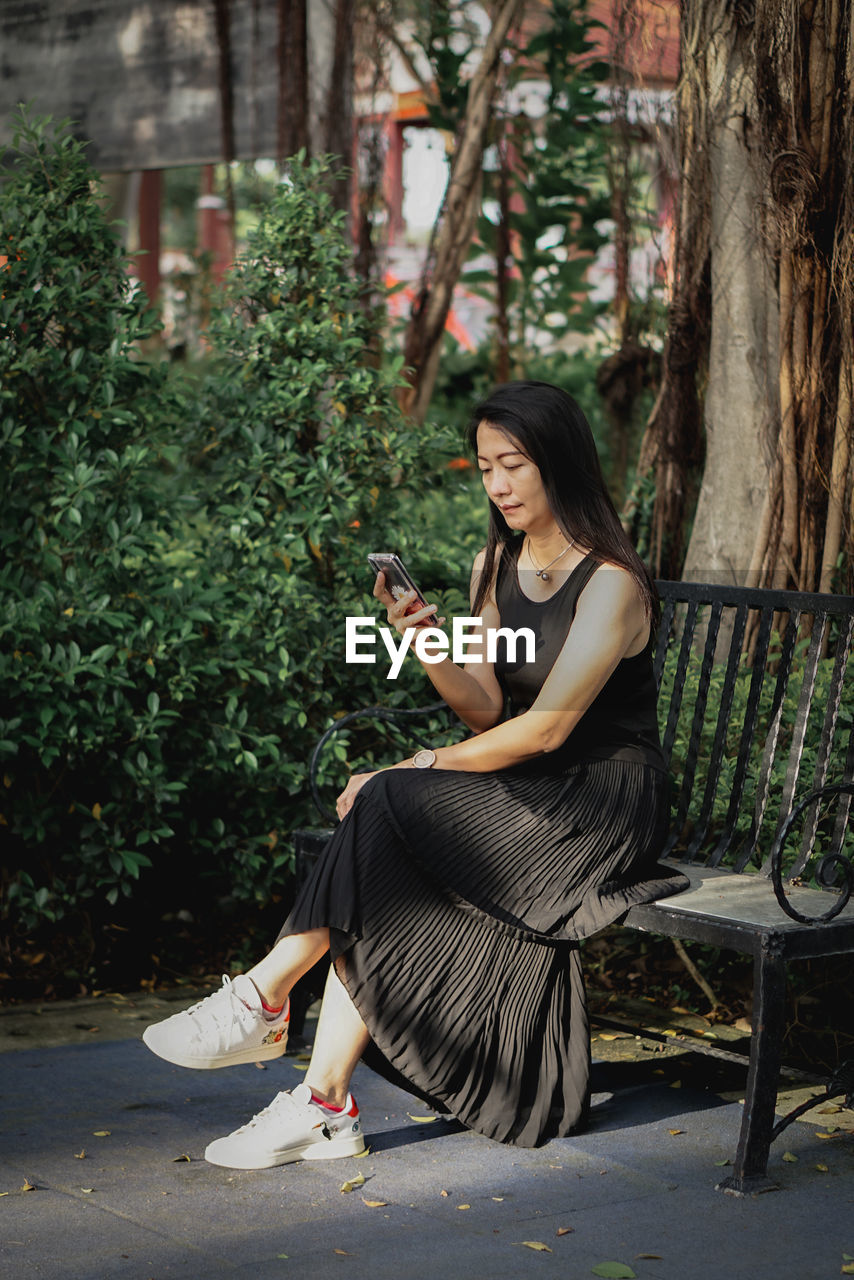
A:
[(424, 759)]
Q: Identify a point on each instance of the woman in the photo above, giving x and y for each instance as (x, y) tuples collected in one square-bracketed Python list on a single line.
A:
[(453, 896)]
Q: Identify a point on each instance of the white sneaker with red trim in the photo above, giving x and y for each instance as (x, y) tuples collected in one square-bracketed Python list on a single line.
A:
[(295, 1126), (222, 1030)]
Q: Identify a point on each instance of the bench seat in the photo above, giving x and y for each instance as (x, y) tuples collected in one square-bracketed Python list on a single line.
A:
[(740, 910)]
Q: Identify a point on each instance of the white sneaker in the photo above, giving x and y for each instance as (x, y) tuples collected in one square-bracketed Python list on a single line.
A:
[(223, 1029), (293, 1127)]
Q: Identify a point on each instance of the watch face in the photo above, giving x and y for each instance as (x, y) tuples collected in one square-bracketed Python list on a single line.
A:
[(424, 759)]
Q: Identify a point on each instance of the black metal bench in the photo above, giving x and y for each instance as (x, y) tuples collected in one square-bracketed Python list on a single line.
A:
[(757, 715)]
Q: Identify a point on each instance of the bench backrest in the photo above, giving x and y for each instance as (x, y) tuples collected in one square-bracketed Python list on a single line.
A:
[(756, 711)]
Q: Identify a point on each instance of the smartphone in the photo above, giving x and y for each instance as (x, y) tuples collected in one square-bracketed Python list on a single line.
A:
[(399, 582)]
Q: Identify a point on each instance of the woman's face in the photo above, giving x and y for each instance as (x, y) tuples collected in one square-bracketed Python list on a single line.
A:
[(512, 481)]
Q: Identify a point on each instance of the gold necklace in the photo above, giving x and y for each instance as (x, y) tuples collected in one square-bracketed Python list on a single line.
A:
[(543, 573)]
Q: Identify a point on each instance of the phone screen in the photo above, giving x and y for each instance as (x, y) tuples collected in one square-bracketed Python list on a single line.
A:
[(398, 581)]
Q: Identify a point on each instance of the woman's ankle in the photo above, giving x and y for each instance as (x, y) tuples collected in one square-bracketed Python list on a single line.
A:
[(332, 1096), (273, 995)]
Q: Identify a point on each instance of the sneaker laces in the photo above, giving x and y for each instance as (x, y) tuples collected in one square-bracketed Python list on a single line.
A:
[(222, 1006), (283, 1104)]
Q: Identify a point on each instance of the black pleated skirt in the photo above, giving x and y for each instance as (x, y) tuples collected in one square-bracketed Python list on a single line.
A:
[(456, 902)]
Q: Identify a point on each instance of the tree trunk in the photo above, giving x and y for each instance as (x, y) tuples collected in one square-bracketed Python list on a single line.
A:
[(338, 114), (767, 95), (740, 405), (672, 446), (457, 220)]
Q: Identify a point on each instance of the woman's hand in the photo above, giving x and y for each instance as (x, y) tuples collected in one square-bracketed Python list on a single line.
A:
[(396, 609), (344, 803)]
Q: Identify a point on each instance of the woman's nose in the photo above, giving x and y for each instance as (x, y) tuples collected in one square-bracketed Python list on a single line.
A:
[(498, 483)]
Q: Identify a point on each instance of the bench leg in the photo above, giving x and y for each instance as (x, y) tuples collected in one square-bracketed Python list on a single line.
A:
[(750, 1174)]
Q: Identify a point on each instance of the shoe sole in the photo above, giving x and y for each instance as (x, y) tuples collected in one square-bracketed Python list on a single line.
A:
[(262, 1053), (335, 1150)]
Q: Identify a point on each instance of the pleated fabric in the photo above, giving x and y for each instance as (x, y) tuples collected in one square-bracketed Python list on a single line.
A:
[(456, 902)]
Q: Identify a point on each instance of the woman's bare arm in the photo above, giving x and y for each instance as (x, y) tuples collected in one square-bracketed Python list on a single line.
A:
[(472, 691)]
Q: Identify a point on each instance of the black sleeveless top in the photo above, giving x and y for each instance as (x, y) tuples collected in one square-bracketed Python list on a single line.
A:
[(621, 722)]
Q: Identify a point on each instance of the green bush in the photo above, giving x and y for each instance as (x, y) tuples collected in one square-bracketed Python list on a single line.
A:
[(177, 559)]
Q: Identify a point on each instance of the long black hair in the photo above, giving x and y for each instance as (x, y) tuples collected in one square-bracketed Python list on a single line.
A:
[(551, 430)]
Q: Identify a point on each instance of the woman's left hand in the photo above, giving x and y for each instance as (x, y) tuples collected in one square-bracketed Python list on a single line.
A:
[(344, 803)]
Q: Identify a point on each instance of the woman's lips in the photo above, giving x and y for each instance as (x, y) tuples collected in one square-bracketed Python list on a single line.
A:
[(510, 506)]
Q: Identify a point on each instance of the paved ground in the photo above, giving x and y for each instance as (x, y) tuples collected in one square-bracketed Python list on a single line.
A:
[(111, 1140)]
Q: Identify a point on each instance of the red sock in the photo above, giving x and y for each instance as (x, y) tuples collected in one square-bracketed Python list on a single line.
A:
[(269, 1008), (321, 1103)]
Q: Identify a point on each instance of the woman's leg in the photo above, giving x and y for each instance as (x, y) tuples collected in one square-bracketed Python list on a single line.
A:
[(290, 958), (341, 1035), (339, 1042)]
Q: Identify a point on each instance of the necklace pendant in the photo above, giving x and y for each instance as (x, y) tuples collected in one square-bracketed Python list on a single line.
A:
[(546, 577)]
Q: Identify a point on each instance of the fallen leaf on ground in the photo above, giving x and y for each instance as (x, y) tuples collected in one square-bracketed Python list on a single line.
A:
[(361, 1154), (179, 1159), (342, 1253), (498, 1199), (444, 1193), (829, 1111), (358, 1181), (564, 1231), (422, 1119), (676, 1084), (298, 1066), (536, 1244), (374, 1204), (607, 1035), (101, 1133), (848, 1268), (822, 1168), (5, 1193), (674, 1132), (262, 1066), (28, 1186), (819, 1134), (613, 1271), (87, 1191), (721, 1164), (463, 1206), (81, 1155), (790, 1158)]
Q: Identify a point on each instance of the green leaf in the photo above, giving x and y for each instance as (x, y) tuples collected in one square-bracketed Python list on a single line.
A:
[(613, 1271)]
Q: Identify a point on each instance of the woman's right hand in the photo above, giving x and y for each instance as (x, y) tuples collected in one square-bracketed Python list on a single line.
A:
[(396, 609)]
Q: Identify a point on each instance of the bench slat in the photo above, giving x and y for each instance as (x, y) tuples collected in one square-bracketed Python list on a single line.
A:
[(748, 736), (763, 782), (802, 716), (719, 744), (823, 758), (693, 753)]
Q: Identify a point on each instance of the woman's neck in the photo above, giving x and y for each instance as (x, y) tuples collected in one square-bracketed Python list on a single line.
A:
[(544, 544)]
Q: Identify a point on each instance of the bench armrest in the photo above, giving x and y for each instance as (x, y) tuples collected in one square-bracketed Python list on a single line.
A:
[(830, 864), (382, 714)]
